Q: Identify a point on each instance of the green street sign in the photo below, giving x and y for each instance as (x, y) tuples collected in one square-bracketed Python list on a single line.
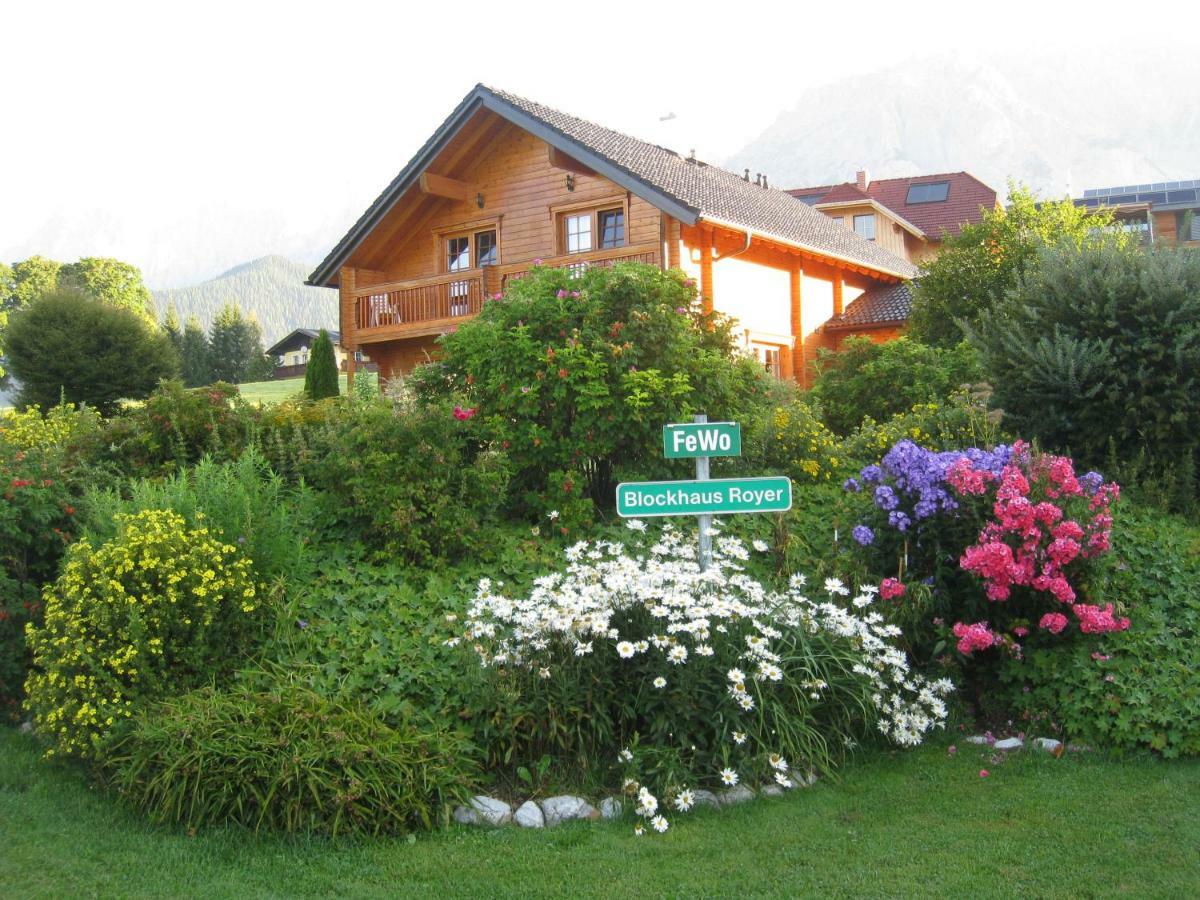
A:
[(702, 439), (639, 499)]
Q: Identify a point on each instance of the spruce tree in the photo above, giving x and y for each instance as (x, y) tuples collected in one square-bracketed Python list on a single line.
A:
[(193, 354), (321, 378), (235, 347)]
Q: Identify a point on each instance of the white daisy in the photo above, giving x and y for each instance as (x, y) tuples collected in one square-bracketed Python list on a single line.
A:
[(737, 676), (582, 649), (761, 546), (729, 777), (783, 780), (638, 829), (635, 525), (739, 737), (543, 672), (678, 654), (660, 682), (625, 650), (625, 755), (659, 823), (684, 800), (777, 762)]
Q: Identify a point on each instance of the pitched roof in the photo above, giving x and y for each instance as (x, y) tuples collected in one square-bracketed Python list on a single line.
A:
[(966, 196), (297, 339), (887, 304), (689, 190)]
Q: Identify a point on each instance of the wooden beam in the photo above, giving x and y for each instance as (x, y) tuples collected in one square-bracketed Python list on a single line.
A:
[(706, 271), (441, 186), (347, 285), (837, 292), (560, 160), (796, 276)]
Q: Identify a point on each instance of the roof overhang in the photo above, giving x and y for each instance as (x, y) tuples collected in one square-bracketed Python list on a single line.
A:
[(878, 207), (837, 259), (482, 98)]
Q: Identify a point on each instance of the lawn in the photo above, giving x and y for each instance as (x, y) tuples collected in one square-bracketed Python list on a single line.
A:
[(271, 392), (898, 824)]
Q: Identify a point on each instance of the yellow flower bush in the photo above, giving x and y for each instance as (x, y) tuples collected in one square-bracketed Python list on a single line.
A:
[(30, 429), (157, 610), (802, 446)]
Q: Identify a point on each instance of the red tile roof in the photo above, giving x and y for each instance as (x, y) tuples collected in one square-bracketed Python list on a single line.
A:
[(967, 196)]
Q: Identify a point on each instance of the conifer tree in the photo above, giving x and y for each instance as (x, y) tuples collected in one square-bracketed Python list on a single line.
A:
[(193, 354), (321, 378)]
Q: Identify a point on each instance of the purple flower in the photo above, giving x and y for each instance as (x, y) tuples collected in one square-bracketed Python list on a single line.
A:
[(851, 484), (872, 474), (1091, 482), (682, 310), (899, 520), (885, 498), (864, 535), (302, 624), (561, 295)]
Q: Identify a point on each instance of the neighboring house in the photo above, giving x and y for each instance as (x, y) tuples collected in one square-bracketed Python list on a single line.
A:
[(908, 216), (506, 182), (1167, 211), (291, 354)]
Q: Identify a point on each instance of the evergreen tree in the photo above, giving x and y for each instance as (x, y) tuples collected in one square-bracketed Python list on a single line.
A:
[(235, 350), (321, 377), (193, 354), (172, 329), (67, 344)]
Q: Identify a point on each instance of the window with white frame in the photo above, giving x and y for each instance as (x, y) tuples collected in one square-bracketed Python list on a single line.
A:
[(864, 226)]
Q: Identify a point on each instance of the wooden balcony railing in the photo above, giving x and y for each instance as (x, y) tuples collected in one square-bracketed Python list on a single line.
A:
[(419, 305), (422, 306)]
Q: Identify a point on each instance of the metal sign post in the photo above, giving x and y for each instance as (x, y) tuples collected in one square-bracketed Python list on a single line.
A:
[(705, 519)]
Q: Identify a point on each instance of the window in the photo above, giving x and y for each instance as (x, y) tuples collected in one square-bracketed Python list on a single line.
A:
[(485, 248), (864, 226), (930, 192), (458, 254), (769, 357), (810, 199), (840, 220), (579, 233), (612, 228)]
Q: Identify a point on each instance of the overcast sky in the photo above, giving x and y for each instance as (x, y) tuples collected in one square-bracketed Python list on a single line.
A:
[(189, 137)]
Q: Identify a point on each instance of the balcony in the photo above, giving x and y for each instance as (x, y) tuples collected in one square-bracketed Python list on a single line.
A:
[(427, 306)]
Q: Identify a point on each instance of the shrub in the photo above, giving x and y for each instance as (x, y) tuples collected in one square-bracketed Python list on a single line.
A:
[(418, 484), (693, 678), (174, 428), (40, 485), (69, 346), (1135, 689), (1006, 539), (242, 502), (798, 444), (1099, 350), (321, 376), (284, 758), (578, 374), (158, 609), (866, 379)]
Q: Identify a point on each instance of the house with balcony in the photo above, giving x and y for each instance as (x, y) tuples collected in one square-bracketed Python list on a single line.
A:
[(1164, 211), (506, 183)]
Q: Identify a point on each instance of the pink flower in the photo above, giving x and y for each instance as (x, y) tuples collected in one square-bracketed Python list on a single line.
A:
[(891, 588), (983, 773), (1094, 620), (561, 295), (1021, 631), (951, 750), (973, 637), (537, 262), (463, 414), (1053, 622)]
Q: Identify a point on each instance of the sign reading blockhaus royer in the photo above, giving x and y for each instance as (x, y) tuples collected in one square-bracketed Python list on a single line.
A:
[(694, 498)]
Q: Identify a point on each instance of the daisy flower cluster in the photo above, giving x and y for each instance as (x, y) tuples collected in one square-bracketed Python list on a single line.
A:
[(676, 646)]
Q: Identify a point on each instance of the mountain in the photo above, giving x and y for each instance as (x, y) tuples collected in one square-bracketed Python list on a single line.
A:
[(1059, 124), (272, 288)]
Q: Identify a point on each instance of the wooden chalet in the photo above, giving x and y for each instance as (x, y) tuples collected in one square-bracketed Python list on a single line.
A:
[(506, 182)]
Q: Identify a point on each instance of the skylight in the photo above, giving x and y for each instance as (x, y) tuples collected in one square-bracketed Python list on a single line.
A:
[(810, 199), (930, 192)]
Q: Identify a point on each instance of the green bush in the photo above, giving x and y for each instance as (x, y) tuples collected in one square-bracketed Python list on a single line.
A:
[(284, 758), (1097, 352), (242, 502), (69, 346), (174, 428), (158, 609), (321, 375), (1135, 689), (865, 379), (577, 375), (418, 484)]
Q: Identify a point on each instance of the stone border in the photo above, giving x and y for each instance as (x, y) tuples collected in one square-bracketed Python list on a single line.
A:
[(491, 811)]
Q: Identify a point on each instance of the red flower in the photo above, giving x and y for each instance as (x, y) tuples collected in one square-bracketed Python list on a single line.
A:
[(463, 414)]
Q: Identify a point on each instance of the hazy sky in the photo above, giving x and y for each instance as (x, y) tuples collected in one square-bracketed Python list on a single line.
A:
[(188, 137)]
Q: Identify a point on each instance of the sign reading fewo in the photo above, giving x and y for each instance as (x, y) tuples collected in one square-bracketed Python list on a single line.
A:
[(702, 439)]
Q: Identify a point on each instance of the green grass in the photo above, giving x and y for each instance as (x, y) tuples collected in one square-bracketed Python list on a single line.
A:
[(272, 392), (899, 824)]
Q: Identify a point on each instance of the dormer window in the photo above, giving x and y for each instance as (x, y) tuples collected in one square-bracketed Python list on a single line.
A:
[(929, 192), (864, 226)]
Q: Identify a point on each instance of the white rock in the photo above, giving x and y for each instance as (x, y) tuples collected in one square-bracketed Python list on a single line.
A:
[(484, 811), (27, 726), (565, 807), (737, 794), (771, 790), (1009, 744), (610, 808), (707, 798), (1050, 745), (529, 815), (978, 739)]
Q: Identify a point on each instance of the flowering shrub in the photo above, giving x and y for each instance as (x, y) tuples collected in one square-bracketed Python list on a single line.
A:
[(802, 446), (157, 609), (696, 678), (1021, 522)]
